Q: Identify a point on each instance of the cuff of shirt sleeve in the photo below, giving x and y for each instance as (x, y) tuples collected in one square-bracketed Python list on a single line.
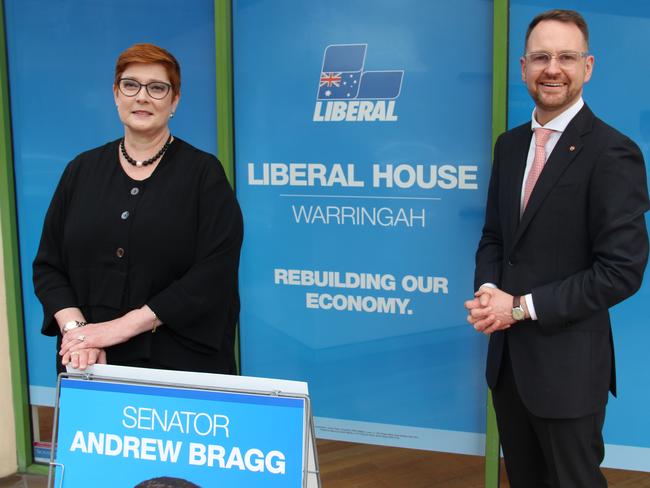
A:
[(488, 285), (50, 326), (531, 306), (52, 303)]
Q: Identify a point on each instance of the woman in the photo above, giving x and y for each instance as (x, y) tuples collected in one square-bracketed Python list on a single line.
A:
[(137, 263)]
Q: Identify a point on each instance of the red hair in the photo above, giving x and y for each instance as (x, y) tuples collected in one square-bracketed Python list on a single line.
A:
[(150, 53)]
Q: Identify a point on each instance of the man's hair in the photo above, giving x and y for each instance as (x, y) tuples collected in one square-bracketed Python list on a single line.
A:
[(566, 16), (166, 482)]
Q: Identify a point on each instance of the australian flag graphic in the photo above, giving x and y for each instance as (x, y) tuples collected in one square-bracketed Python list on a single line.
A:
[(343, 77)]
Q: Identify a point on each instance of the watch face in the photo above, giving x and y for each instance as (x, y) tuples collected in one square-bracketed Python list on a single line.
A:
[(518, 313), (73, 324)]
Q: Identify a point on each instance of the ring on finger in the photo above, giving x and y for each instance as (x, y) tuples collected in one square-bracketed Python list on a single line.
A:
[(74, 353), (81, 338)]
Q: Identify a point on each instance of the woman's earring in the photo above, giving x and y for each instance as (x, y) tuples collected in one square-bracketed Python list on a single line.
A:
[(171, 115)]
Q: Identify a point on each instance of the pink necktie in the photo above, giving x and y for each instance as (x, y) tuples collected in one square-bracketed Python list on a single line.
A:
[(541, 136)]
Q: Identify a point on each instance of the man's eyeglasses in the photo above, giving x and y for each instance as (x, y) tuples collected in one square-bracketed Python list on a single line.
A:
[(566, 59), (156, 89)]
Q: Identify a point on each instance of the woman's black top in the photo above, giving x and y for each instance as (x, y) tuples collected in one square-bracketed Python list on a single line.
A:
[(111, 244)]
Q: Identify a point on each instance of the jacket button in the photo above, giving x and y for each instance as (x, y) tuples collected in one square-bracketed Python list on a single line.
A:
[(125, 215), (119, 252), (511, 263), (135, 190)]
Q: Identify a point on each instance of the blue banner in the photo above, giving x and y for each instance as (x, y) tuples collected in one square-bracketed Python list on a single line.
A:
[(616, 30), (361, 169), (126, 434), (61, 61)]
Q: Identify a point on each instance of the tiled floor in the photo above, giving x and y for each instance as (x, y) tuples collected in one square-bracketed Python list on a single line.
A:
[(348, 465), (24, 481)]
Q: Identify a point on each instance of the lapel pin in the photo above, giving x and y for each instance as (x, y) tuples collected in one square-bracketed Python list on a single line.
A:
[(572, 148)]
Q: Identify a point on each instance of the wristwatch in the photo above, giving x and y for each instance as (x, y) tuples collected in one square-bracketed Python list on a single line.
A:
[(73, 324), (518, 312)]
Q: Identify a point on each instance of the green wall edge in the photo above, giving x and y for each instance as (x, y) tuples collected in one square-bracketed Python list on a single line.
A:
[(499, 124), (10, 253), (223, 51), (225, 118)]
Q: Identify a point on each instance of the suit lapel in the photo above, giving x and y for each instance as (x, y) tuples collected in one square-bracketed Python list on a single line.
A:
[(519, 154), (567, 148)]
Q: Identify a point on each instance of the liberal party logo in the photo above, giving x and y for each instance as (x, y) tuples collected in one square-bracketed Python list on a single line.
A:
[(349, 93)]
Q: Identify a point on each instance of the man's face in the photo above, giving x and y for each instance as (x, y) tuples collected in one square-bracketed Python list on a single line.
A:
[(556, 86)]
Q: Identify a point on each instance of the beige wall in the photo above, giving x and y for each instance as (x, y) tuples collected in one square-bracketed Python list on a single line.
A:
[(8, 461)]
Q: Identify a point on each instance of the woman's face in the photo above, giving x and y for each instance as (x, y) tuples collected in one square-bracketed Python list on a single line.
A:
[(143, 114)]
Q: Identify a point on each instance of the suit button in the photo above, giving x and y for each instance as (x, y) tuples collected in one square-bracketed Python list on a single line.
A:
[(511, 263), (135, 190), (119, 252), (125, 215)]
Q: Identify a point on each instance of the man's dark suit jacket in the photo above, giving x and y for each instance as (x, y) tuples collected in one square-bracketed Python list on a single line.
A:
[(580, 247)]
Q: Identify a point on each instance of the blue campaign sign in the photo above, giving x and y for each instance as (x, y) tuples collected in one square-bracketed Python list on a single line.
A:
[(122, 434), (362, 168)]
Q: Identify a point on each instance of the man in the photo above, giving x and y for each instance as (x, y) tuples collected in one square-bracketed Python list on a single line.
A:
[(564, 239)]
